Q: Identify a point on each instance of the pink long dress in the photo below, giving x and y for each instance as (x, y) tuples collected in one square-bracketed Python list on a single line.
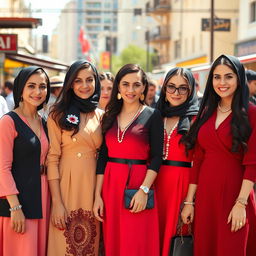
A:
[(33, 241)]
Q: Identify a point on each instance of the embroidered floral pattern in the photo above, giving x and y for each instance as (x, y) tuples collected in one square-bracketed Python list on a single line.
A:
[(73, 119), (80, 233)]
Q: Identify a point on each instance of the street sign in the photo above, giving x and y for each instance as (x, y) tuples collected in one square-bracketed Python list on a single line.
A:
[(219, 24), (8, 43)]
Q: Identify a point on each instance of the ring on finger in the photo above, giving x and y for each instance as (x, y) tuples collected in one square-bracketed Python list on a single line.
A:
[(241, 224)]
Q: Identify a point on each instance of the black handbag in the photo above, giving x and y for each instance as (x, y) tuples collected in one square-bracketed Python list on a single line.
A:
[(129, 193), (182, 245)]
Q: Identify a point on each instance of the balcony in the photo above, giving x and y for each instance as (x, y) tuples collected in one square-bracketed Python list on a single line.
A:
[(158, 7), (159, 34)]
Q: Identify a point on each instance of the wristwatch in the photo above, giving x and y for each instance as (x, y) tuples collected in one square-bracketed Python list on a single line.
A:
[(145, 189)]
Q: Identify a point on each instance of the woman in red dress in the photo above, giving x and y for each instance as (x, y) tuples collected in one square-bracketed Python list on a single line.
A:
[(224, 165), (130, 157), (178, 104)]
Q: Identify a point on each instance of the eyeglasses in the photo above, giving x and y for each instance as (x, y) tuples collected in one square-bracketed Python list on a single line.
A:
[(182, 90)]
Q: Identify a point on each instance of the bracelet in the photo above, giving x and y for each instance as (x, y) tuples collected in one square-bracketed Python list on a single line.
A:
[(15, 208), (242, 201), (188, 203)]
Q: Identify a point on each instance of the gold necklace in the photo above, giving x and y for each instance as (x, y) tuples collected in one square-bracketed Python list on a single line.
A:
[(223, 111), (120, 138)]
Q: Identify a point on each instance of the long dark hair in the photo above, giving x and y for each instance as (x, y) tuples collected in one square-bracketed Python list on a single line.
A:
[(63, 101), (240, 126), (114, 106)]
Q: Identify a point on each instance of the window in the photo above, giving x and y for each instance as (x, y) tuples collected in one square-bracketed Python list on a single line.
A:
[(253, 12)]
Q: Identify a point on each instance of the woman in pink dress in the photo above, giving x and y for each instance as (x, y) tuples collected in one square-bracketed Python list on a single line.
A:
[(224, 165), (178, 105), (23, 185)]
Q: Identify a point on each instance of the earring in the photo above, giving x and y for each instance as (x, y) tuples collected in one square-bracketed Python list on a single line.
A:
[(119, 97), (21, 98), (142, 97), (165, 99)]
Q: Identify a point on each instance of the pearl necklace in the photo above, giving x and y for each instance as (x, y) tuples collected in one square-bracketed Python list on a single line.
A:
[(222, 111), (166, 148), (120, 138)]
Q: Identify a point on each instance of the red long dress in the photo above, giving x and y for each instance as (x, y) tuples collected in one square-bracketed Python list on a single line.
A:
[(126, 233), (171, 190), (219, 174)]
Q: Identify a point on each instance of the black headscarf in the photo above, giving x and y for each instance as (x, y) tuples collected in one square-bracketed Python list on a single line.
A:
[(78, 104), (240, 71), (187, 109), (20, 81)]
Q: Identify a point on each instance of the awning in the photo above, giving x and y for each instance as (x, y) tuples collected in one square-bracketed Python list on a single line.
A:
[(17, 22), (191, 62), (15, 58)]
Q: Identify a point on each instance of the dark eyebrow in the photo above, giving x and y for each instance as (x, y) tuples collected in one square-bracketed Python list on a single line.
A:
[(178, 85), (215, 74)]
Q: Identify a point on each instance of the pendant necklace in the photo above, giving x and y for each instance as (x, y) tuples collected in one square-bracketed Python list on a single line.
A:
[(223, 111), (120, 138), (168, 137)]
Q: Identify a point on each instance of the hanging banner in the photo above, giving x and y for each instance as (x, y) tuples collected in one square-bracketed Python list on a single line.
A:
[(105, 60)]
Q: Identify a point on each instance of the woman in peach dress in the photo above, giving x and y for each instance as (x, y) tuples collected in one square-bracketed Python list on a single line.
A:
[(75, 136)]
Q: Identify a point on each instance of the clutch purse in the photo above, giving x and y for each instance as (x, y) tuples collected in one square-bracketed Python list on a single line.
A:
[(129, 193)]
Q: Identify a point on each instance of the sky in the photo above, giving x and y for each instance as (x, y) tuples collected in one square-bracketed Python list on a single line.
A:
[(48, 11)]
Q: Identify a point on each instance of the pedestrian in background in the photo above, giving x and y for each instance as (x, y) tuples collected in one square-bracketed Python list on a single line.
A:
[(106, 81), (178, 105), (75, 135), (8, 90), (151, 97), (24, 203), (3, 106), (130, 157), (251, 80), (224, 165)]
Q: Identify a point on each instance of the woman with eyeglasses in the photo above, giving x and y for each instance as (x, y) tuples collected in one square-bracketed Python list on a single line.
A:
[(178, 105), (106, 86)]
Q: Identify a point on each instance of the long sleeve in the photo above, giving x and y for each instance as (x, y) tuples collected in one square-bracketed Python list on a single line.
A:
[(54, 154), (7, 136), (156, 140), (102, 159), (249, 160), (197, 161)]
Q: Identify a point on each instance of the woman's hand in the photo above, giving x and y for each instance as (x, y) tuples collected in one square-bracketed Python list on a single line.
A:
[(59, 215), (98, 208), (237, 217), (18, 221), (187, 214), (138, 202)]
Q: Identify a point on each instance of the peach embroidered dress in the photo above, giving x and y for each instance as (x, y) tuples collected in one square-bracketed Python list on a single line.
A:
[(72, 160)]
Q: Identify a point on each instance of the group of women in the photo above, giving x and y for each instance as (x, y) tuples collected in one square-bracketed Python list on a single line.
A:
[(136, 169)]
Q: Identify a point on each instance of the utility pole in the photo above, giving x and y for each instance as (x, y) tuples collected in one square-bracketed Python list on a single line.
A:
[(212, 32)]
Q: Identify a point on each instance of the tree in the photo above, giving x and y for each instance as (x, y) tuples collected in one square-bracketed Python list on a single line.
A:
[(132, 54)]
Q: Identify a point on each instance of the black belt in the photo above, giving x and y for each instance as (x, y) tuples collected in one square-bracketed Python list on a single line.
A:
[(127, 161), (177, 163)]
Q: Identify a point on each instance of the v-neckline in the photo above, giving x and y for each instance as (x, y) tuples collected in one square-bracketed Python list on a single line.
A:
[(27, 124), (223, 122)]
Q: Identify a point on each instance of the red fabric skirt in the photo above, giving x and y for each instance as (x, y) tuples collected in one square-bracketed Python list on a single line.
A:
[(126, 233)]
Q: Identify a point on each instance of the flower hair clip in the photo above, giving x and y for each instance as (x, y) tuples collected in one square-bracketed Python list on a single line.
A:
[(73, 119)]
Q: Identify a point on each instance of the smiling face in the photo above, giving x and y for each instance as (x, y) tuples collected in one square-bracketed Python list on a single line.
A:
[(106, 89), (84, 83), (224, 81), (35, 90), (131, 87), (177, 90)]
